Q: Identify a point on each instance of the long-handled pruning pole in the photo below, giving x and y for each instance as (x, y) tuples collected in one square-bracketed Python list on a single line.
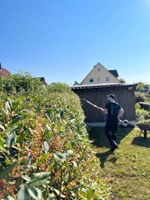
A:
[(92, 104), (100, 108)]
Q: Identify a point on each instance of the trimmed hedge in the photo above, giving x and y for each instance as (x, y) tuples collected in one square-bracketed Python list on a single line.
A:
[(44, 145)]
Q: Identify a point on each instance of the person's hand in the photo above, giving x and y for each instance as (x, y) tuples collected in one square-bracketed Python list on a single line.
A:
[(101, 109)]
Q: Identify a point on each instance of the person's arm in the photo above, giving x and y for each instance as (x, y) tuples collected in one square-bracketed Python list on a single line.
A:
[(120, 114), (104, 110)]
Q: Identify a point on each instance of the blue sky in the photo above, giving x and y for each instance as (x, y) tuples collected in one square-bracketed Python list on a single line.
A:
[(63, 39)]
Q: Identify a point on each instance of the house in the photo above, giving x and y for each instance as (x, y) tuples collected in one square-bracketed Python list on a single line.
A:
[(96, 93), (99, 74), (3, 72)]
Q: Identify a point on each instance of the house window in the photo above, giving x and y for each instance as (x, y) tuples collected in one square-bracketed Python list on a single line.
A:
[(107, 78), (91, 80), (99, 69)]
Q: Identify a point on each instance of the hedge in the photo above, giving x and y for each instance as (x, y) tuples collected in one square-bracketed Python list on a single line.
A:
[(44, 145)]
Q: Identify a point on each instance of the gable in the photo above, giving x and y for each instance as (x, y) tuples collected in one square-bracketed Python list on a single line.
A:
[(99, 74)]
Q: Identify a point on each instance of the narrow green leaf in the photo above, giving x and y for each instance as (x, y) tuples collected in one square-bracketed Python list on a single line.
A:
[(2, 127), (48, 127), (7, 106), (26, 178), (2, 146), (39, 179), (42, 175), (11, 129), (45, 147), (10, 198), (89, 194), (10, 139), (23, 193), (35, 193)]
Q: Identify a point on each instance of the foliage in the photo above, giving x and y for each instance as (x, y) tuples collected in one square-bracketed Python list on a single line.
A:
[(122, 80), (19, 83), (59, 87), (139, 97), (147, 97), (140, 86), (44, 148), (141, 114), (145, 121)]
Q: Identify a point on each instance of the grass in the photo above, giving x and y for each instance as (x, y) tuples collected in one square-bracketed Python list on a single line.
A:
[(128, 168)]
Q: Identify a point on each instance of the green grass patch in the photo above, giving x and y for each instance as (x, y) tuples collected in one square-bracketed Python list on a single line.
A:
[(128, 168)]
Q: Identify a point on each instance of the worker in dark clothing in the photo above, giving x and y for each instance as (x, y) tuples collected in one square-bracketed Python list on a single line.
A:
[(114, 111)]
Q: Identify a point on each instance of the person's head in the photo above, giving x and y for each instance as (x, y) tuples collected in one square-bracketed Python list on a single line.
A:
[(111, 97)]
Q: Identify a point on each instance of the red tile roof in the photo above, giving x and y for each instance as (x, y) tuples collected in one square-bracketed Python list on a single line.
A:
[(4, 72)]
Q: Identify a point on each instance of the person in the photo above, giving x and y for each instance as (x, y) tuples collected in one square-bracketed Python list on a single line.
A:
[(113, 111)]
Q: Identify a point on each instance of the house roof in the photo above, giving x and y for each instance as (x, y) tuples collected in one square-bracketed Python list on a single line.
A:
[(76, 83), (102, 85), (4, 72), (114, 72)]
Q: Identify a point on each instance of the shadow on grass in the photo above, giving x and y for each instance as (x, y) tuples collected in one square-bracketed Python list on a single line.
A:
[(103, 158), (97, 135), (140, 141)]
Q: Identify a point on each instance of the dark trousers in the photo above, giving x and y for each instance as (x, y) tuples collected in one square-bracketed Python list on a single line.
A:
[(111, 128)]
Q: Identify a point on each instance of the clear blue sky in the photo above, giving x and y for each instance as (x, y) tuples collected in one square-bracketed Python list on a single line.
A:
[(63, 39)]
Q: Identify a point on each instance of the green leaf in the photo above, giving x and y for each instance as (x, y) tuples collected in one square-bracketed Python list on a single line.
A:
[(74, 164), (35, 193), (23, 193), (26, 178), (5, 111), (7, 160), (28, 160), (2, 146), (48, 127), (45, 147), (4, 173), (89, 194), (10, 139), (12, 129), (42, 175), (39, 179), (52, 197), (10, 198), (21, 137), (2, 127), (60, 156), (27, 111), (7, 106)]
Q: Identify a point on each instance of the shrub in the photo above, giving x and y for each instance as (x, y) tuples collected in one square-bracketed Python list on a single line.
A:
[(141, 114), (144, 124), (139, 97), (146, 121), (44, 146), (59, 87)]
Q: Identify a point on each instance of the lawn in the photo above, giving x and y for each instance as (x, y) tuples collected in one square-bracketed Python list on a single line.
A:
[(128, 168)]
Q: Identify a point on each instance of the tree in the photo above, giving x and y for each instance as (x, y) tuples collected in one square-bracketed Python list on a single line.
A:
[(122, 80)]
